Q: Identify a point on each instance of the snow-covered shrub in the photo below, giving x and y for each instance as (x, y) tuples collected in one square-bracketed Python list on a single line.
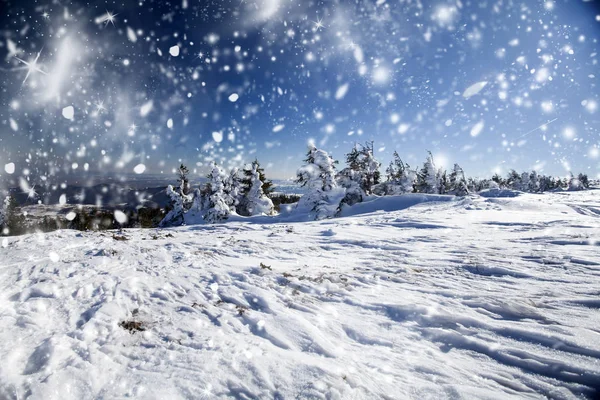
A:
[(174, 216), (323, 196)]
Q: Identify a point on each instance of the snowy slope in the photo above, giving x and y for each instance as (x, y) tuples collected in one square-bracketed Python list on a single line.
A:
[(476, 298)]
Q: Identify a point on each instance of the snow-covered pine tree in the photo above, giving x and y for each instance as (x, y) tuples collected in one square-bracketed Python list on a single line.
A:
[(256, 201), (182, 180), (400, 178), (3, 213), (216, 209), (443, 182), (584, 180), (499, 180), (232, 187), (317, 175), (361, 174), (457, 182), (370, 167), (174, 216), (534, 182), (524, 186), (427, 180), (513, 180)]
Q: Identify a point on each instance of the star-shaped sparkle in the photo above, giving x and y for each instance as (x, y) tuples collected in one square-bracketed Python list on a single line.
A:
[(109, 18), (319, 24), (31, 66)]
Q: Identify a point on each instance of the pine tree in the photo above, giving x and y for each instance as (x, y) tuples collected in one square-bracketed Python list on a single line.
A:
[(175, 216), (267, 185), (534, 182), (442, 180), (217, 209), (513, 180), (361, 174), (4, 213), (233, 189), (584, 180), (499, 181), (256, 201), (524, 186), (317, 175), (182, 180), (427, 180), (457, 182)]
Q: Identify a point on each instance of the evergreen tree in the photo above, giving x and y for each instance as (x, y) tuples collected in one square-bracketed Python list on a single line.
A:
[(524, 184), (443, 182), (400, 178), (499, 181), (256, 201), (457, 182), (175, 214), (427, 177), (233, 189), (4, 213), (267, 185), (513, 180), (584, 180), (216, 209), (182, 180), (317, 175), (534, 182), (361, 174)]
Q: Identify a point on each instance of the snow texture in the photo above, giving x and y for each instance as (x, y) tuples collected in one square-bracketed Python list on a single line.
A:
[(411, 303)]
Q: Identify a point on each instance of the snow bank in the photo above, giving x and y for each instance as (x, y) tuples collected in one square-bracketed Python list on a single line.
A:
[(393, 203), (414, 303)]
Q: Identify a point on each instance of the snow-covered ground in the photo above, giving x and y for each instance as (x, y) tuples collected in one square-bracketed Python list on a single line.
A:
[(472, 298)]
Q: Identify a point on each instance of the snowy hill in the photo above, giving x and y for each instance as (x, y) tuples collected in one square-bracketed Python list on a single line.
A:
[(473, 298)]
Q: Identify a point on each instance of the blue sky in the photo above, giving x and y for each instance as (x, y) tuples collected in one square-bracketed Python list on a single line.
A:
[(154, 84)]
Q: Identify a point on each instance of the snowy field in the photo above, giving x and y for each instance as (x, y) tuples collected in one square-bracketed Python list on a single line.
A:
[(473, 298)]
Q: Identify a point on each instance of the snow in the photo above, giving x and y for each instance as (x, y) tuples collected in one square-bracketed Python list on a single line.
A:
[(139, 169), (68, 112), (9, 168), (477, 128), (341, 91), (278, 128), (13, 124), (120, 216), (174, 51), (410, 302), (474, 89), (217, 136), (146, 108), (233, 97)]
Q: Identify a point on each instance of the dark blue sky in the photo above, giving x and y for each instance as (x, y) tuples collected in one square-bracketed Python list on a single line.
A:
[(492, 85)]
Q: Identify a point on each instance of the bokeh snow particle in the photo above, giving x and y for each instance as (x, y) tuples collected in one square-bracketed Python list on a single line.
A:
[(68, 112), (174, 51), (120, 217), (474, 89), (139, 169), (9, 168)]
